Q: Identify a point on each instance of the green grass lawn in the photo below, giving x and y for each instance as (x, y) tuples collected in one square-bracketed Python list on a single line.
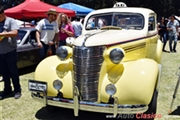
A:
[(170, 64)]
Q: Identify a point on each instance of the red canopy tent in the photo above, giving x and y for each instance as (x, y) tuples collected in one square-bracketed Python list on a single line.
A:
[(34, 9)]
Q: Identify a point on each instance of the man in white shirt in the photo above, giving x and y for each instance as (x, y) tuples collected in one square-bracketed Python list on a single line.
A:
[(47, 33), (77, 26), (172, 27)]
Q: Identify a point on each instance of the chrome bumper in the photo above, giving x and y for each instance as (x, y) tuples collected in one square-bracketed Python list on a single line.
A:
[(90, 106)]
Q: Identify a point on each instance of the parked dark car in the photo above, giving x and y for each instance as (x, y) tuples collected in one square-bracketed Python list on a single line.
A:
[(27, 49)]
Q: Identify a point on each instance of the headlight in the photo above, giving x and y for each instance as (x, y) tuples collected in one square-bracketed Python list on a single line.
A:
[(57, 84), (116, 55), (62, 53), (110, 89)]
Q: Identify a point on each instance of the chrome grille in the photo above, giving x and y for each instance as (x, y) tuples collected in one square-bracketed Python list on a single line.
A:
[(87, 65)]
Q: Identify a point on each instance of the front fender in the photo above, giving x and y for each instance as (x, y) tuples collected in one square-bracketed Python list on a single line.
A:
[(136, 84), (47, 71)]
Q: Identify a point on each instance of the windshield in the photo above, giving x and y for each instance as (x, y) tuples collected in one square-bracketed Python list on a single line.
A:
[(20, 36), (123, 20)]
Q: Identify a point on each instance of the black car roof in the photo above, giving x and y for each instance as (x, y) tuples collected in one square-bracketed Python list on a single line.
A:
[(27, 28)]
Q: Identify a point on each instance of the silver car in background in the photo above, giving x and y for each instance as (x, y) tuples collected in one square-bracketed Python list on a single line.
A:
[(27, 49)]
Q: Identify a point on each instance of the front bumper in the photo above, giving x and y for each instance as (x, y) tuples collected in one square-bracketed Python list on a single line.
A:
[(89, 106)]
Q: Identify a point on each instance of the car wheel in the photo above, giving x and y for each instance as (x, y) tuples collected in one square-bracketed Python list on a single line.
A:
[(1, 78), (152, 105)]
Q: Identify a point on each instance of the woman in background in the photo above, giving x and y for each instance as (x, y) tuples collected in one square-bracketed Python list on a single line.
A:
[(65, 28)]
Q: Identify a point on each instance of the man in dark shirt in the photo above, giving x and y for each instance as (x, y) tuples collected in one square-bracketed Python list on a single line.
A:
[(8, 57)]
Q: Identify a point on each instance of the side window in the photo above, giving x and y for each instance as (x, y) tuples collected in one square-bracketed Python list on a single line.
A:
[(20, 36), (151, 24), (91, 23), (98, 21), (31, 38), (102, 22)]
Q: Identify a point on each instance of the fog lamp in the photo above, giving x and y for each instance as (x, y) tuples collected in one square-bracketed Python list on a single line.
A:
[(110, 89), (57, 84), (116, 55)]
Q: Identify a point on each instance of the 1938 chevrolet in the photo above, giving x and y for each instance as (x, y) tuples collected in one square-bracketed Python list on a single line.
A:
[(113, 67)]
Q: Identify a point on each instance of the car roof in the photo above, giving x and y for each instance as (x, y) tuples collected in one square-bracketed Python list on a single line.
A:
[(123, 9), (27, 28)]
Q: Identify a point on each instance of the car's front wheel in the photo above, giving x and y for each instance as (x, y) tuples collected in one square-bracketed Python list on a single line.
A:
[(152, 106), (150, 114)]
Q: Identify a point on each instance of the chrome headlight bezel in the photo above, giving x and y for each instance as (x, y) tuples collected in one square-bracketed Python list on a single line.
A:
[(62, 53), (111, 89), (57, 84), (116, 55)]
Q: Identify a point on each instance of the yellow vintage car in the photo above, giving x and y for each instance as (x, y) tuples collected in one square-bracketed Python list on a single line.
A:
[(114, 67)]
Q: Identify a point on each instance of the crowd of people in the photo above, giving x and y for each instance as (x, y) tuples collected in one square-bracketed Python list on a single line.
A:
[(169, 30), (51, 33)]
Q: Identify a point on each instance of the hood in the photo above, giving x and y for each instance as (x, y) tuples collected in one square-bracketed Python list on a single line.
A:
[(108, 37)]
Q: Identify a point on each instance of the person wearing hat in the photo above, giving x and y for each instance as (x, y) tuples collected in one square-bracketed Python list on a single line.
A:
[(47, 33)]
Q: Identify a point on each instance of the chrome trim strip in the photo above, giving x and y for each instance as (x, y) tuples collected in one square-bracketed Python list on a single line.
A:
[(95, 107), (45, 98), (76, 101), (115, 106)]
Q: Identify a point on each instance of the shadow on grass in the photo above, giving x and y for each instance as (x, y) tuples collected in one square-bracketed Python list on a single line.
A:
[(27, 70), (176, 111), (68, 114), (8, 96)]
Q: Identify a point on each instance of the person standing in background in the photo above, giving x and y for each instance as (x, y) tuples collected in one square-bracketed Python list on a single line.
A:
[(77, 26), (47, 34), (172, 27), (8, 55), (65, 28), (162, 31)]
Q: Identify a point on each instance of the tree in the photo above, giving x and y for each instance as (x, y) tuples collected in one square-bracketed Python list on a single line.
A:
[(161, 7)]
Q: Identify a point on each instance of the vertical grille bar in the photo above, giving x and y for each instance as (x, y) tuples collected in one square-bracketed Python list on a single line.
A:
[(87, 65)]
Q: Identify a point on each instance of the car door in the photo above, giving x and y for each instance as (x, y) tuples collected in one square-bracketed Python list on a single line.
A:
[(20, 54), (153, 37), (30, 50)]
